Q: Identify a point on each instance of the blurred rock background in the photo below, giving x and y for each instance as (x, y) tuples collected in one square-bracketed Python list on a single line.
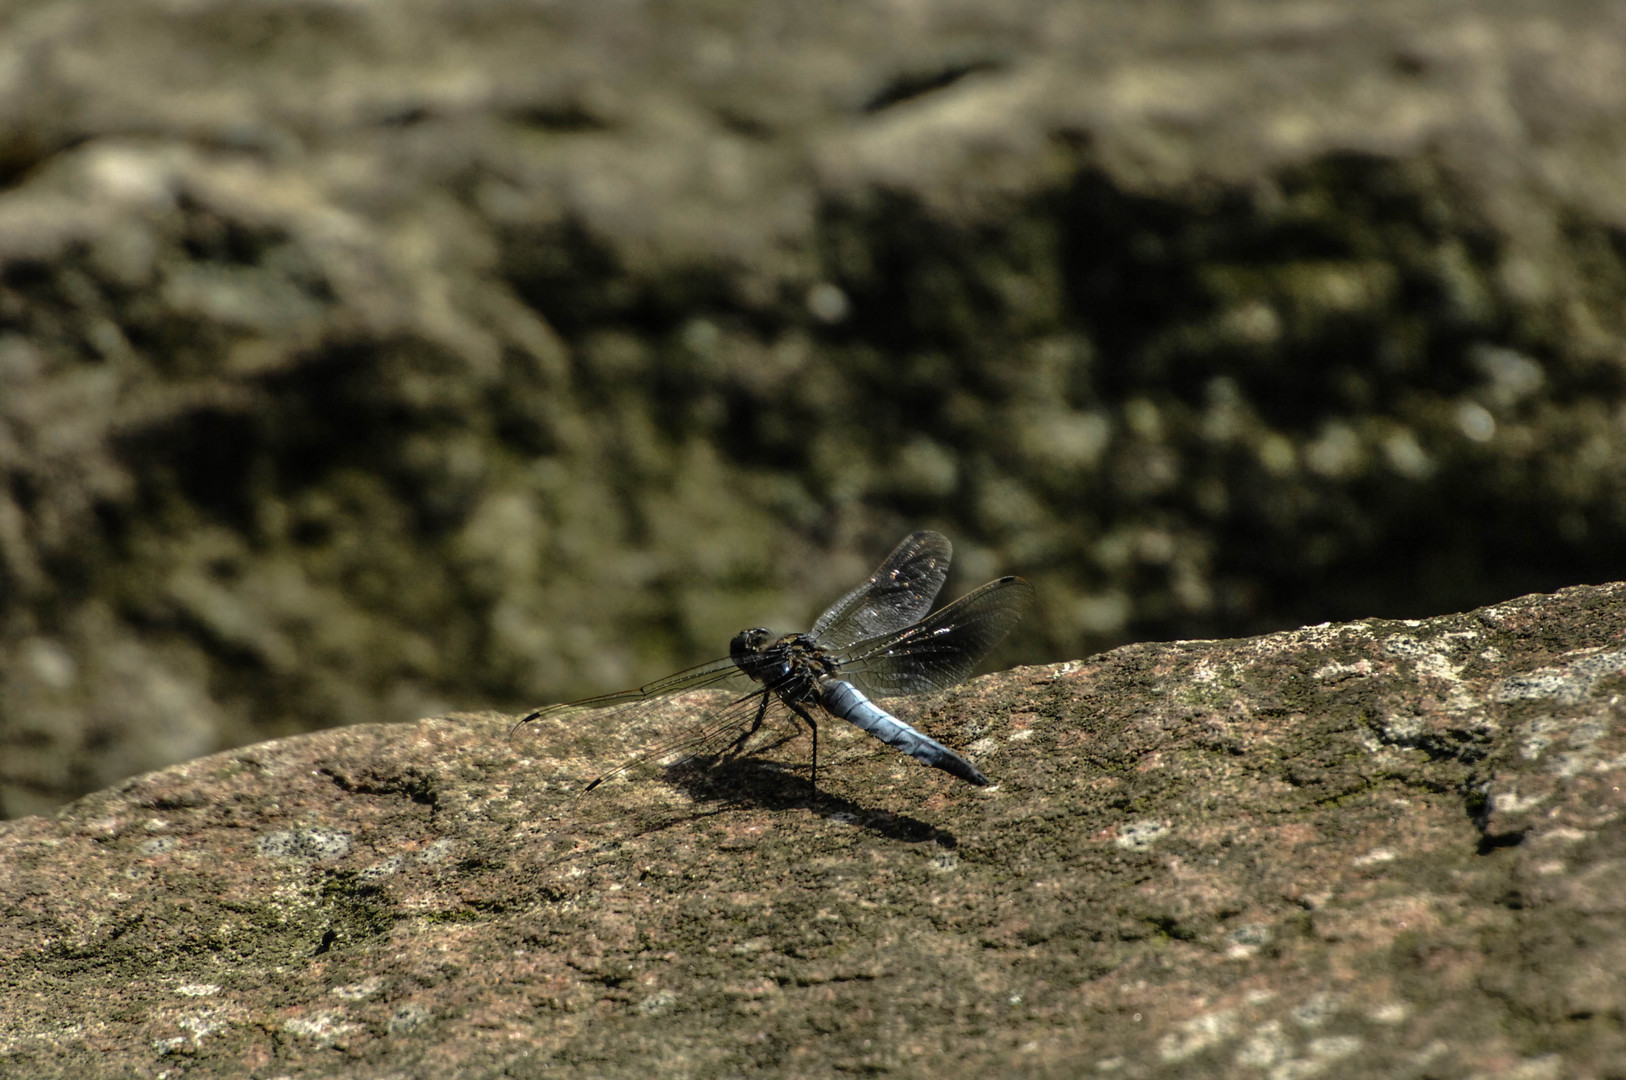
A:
[(360, 361)]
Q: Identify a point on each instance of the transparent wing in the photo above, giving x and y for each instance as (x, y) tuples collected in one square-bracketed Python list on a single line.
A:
[(900, 591), (943, 648), (716, 673), (719, 730), (719, 724)]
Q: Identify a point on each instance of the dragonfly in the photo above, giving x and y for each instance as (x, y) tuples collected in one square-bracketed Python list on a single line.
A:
[(877, 641)]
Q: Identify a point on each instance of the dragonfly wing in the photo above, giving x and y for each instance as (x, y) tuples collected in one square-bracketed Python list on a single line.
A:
[(943, 648), (720, 674), (718, 721), (900, 591), (712, 731)]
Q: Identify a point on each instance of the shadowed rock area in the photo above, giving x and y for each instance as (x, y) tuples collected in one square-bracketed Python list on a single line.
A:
[(361, 362), (1377, 848)]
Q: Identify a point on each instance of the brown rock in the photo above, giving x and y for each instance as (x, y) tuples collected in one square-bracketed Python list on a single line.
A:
[(362, 361), (1377, 848)]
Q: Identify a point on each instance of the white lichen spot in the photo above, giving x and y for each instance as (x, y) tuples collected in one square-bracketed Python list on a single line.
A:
[(1191, 1037), (1538, 737), (1331, 1048), (1316, 1009), (1403, 645), (1511, 802), (1435, 666), (196, 1027), (659, 1002), (358, 991), (1373, 857), (1563, 834), (1246, 940), (1140, 835), (197, 989), (107, 826), (322, 1027), (199, 1025), (408, 1017), (1568, 765), (1390, 1012), (1565, 685), (383, 868), (1272, 1050), (436, 851), (1269, 1045), (307, 844), (1337, 671), (1402, 728)]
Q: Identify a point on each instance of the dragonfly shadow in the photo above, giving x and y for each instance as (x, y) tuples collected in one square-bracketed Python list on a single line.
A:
[(738, 783)]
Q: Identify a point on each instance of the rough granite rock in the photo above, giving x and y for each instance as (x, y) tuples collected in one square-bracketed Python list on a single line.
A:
[(1382, 848), (363, 361)]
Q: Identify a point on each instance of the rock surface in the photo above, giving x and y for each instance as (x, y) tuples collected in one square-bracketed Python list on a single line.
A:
[(1371, 849), (359, 362)]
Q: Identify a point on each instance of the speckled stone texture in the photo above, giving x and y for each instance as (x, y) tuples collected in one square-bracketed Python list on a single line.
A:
[(366, 361), (1371, 849)]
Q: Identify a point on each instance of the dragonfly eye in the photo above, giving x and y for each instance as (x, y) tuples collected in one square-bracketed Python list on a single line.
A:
[(748, 643)]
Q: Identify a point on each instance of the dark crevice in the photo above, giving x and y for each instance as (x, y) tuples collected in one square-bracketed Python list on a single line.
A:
[(1459, 745), (558, 117), (418, 787), (1489, 842), (906, 86)]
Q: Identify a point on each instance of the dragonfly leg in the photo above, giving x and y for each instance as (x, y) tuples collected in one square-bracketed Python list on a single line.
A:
[(814, 727), (739, 743)]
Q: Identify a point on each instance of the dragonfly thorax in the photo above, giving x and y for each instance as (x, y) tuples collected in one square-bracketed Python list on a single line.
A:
[(790, 665)]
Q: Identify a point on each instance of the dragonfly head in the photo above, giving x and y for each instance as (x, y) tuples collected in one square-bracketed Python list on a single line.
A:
[(749, 643), (752, 651)]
